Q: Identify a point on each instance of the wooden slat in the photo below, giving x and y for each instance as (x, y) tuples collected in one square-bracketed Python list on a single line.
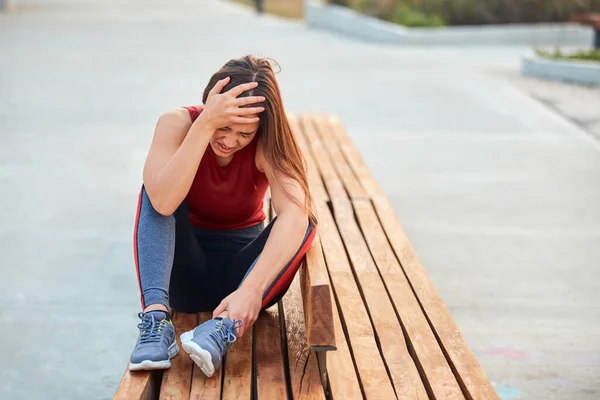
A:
[(405, 376), (369, 364), (304, 371), (316, 185), (237, 382), (270, 377), (316, 295), (371, 368), (465, 366), (343, 380), (138, 385), (408, 385), (204, 388), (328, 141), (316, 290), (334, 187), (341, 373), (421, 337), (177, 380)]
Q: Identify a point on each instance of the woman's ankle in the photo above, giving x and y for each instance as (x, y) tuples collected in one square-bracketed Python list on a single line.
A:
[(156, 307)]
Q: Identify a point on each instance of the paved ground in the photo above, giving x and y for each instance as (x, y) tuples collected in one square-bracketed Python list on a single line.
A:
[(578, 103), (498, 192)]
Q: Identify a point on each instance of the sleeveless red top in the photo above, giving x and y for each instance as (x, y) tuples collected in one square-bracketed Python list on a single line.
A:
[(229, 197)]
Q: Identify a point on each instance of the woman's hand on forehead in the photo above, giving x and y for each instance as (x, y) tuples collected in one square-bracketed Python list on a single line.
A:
[(226, 109)]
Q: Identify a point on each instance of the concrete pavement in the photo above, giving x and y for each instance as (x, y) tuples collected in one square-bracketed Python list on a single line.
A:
[(498, 193)]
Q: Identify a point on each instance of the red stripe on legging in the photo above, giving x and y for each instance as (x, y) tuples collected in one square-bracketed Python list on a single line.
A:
[(135, 246), (287, 276)]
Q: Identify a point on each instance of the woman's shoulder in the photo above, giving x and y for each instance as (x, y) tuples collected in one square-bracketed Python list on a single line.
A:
[(179, 115), (192, 111), (179, 118), (186, 113), (173, 125)]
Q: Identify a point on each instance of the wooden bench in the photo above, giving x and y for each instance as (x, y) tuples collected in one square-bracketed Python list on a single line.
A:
[(361, 320), (590, 19)]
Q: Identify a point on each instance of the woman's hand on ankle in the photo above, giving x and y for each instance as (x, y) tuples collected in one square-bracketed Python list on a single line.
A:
[(243, 304)]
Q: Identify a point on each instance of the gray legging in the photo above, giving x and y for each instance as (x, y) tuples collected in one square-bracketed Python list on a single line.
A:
[(192, 269)]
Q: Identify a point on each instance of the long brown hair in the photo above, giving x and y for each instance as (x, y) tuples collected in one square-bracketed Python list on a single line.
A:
[(274, 132)]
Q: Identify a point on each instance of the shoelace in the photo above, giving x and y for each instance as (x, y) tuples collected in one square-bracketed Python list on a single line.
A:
[(149, 328), (224, 335)]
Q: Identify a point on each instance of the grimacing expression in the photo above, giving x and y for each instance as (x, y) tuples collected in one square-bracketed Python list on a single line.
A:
[(234, 137)]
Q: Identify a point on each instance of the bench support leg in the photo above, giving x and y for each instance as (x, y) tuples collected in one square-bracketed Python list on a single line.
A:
[(597, 39), (322, 361)]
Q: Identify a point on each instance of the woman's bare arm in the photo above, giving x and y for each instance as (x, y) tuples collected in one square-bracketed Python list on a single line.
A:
[(179, 144), (287, 232), (175, 153), (283, 242)]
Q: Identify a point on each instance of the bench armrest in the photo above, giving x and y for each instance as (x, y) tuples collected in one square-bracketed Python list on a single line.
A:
[(316, 300)]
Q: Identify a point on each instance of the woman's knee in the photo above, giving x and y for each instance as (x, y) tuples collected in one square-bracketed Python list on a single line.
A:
[(150, 224), (146, 203)]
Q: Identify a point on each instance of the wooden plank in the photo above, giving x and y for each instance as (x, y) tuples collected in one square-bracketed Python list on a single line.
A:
[(302, 363), (438, 374), (316, 185), (316, 290), (422, 339), (270, 377), (334, 187), (316, 295), (138, 385), (237, 382), (465, 366), (204, 388), (177, 380), (329, 144), (370, 366), (371, 369), (343, 381), (405, 376)]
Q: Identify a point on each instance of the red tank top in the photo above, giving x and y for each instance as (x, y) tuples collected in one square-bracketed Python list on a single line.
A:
[(229, 197)]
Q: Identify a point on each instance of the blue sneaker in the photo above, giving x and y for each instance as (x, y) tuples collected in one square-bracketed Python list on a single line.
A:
[(156, 344), (208, 343)]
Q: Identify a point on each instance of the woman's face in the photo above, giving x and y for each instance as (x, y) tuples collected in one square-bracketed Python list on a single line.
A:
[(232, 138)]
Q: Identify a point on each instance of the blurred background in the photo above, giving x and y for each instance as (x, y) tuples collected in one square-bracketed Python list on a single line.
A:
[(479, 118), (471, 12)]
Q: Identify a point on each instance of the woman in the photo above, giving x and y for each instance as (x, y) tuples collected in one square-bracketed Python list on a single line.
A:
[(200, 243)]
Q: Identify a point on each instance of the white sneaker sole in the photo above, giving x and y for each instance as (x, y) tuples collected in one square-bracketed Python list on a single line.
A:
[(201, 357), (150, 365)]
